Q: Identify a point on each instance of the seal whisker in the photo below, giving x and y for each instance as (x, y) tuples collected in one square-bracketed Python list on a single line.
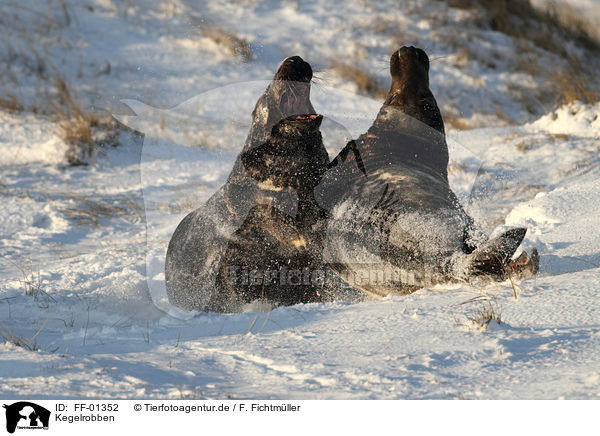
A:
[(438, 57), (317, 78)]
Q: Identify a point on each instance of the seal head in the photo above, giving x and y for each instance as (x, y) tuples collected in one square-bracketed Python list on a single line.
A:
[(410, 92), (283, 157)]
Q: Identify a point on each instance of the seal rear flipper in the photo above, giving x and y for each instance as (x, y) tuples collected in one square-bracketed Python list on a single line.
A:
[(525, 266), (493, 257)]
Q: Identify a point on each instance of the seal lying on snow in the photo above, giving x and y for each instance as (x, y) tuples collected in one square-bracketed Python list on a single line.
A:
[(269, 254), (253, 197), (396, 225)]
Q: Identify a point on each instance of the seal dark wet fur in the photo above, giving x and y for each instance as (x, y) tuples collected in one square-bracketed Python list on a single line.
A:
[(269, 257), (265, 208), (394, 217)]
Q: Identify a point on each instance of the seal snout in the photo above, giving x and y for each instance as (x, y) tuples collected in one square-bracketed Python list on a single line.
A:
[(294, 69), (412, 53), (408, 51), (408, 60)]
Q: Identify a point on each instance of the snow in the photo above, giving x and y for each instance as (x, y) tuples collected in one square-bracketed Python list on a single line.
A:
[(82, 281), (573, 119), (27, 139)]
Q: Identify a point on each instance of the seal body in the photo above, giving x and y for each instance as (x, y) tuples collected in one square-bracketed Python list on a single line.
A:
[(396, 225), (273, 254), (271, 180)]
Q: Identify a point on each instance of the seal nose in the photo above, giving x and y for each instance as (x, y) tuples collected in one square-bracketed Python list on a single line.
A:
[(293, 59), (410, 55), (408, 51)]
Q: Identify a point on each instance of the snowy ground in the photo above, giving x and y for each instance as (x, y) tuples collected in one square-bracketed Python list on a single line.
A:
[(80, 281)]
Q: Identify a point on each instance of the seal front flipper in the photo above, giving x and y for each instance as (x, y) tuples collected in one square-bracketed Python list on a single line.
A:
[(493, 257), (343, 156)]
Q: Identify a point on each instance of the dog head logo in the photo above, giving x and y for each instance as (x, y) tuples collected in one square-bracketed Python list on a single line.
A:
[(26, 415)]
